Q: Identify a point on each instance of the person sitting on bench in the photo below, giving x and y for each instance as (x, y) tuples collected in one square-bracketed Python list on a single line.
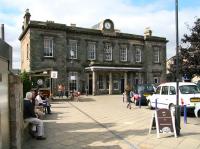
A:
[(30, 116)]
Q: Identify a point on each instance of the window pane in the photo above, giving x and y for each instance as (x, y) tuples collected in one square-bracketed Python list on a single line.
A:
[(48, 46), (164, 90), (91, 51), (100, 82), (156, 79), (73, 76), (123, 54), (156, 55), (115, 82), (158, 90), (172, 90), (73, 49), (189, 89), (138, 55), (107, 82), (108, 52)]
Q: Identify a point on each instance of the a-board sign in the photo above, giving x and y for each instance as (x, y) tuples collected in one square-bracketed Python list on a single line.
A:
[(164, 122)]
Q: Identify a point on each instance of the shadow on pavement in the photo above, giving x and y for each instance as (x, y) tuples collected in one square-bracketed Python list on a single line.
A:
[(81, 99), (88, 135)]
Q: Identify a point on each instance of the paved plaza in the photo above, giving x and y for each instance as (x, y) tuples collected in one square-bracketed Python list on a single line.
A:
[(104, 122)]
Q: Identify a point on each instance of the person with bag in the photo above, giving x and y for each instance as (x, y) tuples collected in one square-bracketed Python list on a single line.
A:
[(128, 98), (46, 104)]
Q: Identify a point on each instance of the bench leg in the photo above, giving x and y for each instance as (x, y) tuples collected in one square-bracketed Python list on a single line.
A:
[(32, 130)]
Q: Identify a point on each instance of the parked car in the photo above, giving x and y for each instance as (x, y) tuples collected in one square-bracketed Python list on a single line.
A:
[(142, 91), (166, 93)]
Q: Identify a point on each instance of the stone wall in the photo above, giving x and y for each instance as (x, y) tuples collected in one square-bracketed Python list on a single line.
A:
[(16, 111), (4, 104)]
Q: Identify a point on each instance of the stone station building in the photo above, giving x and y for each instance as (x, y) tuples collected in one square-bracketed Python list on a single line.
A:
[(99, 60)]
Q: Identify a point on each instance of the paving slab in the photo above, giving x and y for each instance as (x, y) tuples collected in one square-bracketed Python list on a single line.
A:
[(104, 122)]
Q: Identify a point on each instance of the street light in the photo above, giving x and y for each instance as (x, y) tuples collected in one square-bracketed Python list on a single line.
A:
[(177, 109)]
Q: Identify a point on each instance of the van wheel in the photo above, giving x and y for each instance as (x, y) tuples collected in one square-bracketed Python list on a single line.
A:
[(149, 105), (171, 106), (198, 113)]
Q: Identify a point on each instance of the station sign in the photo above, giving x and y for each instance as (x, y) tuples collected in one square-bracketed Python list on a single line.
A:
[(72, 77), (54, 74)]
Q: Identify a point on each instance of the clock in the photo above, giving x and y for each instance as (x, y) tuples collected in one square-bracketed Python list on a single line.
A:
[(107, 25)]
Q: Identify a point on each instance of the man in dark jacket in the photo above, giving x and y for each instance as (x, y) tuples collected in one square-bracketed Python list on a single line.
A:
[(30, 116)]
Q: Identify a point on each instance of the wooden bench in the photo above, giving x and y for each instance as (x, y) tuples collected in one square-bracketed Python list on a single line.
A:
[(28, 131)]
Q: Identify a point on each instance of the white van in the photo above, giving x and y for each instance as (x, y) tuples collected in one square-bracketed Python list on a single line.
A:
[(189, 95)]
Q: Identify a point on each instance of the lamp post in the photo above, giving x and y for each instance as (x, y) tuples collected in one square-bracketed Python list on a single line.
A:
[(177, 109)]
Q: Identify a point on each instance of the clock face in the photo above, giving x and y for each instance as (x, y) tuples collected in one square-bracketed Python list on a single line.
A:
[(107, 25)]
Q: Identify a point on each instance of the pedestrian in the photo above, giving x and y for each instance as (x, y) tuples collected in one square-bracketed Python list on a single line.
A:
[(128, 98), (46, 104), (39, 109), (31, 117), (123, 96), (86, 90), (78, 96), (60, 90), (38, 99)]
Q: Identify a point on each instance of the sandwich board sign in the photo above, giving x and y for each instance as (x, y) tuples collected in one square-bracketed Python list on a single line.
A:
[(164, 122)]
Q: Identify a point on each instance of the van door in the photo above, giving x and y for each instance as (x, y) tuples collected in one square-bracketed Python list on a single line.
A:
[(155, 96), (172, 95), (164, 100)]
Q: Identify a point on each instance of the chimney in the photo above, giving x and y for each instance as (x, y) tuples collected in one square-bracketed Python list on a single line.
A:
[(147, 32), (27, 17), (2, 32), (73, 25)]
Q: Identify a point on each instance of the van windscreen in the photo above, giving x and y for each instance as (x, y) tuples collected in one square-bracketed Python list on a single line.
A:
[(189, 89)]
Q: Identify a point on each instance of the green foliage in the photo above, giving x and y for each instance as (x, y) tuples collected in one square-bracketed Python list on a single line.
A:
[(189, 54), (26, 82), (171, 77)]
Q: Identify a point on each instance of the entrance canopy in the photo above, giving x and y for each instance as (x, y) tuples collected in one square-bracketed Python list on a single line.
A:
[(107, 68)]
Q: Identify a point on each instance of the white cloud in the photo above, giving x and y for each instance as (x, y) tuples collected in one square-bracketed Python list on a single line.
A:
[(126, 16)]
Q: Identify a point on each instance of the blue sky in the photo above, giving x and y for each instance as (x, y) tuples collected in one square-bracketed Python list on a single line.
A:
[(129, 16)]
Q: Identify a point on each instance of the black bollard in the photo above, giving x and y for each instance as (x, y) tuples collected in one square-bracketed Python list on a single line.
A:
[(140, 102), (185, 114), (177, 119), (156, 104)]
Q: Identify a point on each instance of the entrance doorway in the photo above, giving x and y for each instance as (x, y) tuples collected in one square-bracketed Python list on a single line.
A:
[(90, 85), (122, 85)]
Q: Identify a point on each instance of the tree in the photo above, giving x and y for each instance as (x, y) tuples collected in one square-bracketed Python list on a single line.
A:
[(26, 82), (189, 54)]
